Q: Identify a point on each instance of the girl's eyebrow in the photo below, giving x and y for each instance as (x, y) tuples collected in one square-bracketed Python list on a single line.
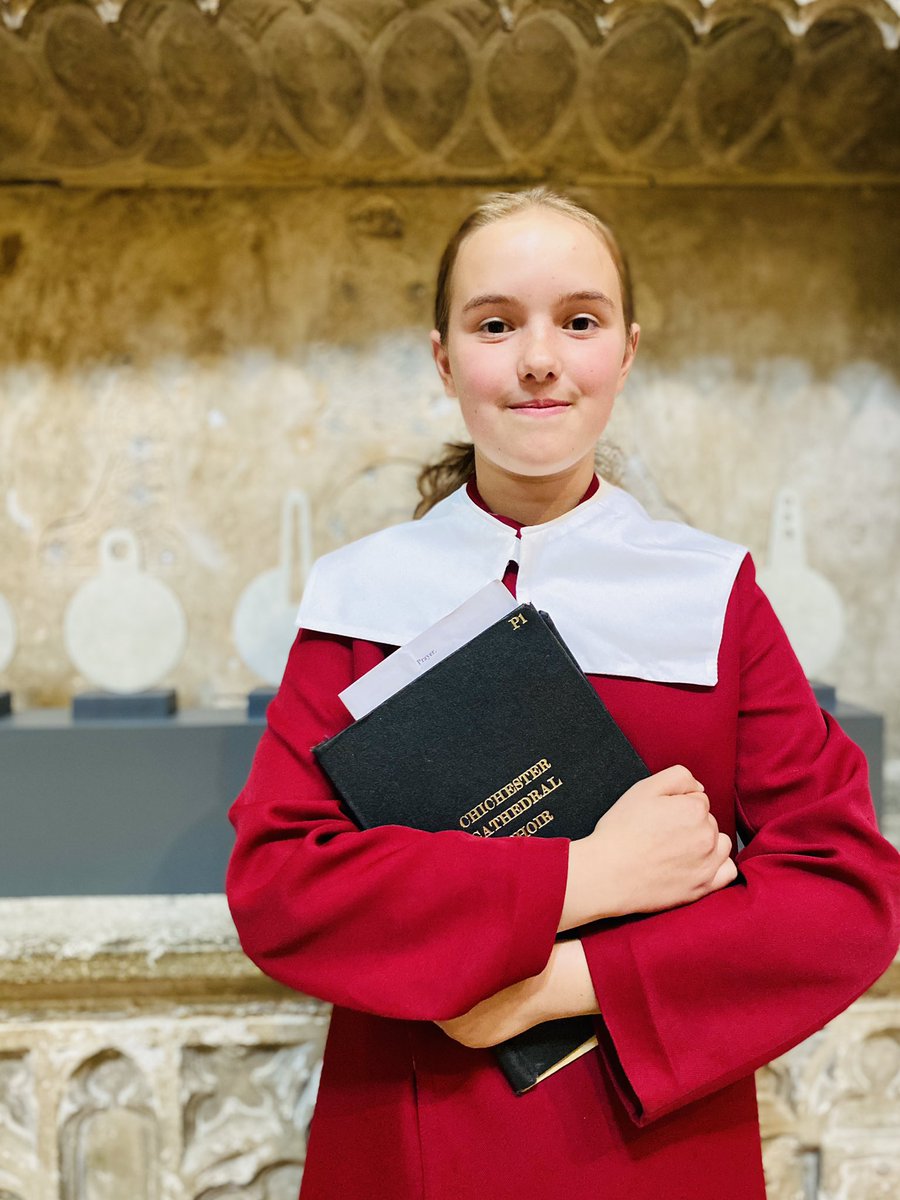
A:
[(598, 296), (491, 298), (498, 300)]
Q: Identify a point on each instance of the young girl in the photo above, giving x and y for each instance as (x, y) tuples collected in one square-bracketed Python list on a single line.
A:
[(699, 965)]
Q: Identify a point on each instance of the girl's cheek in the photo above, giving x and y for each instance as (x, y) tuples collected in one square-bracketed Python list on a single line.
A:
[(483, 380)]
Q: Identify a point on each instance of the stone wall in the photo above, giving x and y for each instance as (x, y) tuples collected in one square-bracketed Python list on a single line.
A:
[(143, 1058)]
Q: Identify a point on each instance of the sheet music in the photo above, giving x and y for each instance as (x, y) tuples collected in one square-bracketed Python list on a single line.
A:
[(479, 612)]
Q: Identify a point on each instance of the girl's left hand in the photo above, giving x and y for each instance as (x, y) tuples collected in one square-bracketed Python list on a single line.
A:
[(563, 989)]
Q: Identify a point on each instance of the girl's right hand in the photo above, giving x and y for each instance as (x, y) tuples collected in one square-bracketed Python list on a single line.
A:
[(658, 847)]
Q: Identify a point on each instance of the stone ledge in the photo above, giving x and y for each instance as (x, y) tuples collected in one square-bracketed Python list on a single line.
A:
[(295, 93), (142, 951), (84, 927)]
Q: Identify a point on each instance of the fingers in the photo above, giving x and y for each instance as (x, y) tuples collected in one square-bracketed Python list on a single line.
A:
[(715, 843), (677, 781), (727, 873)]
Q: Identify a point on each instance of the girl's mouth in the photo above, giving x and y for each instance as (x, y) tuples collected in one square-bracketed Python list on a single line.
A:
[(542, 404)]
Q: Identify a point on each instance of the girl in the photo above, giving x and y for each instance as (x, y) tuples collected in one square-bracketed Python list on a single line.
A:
[(699, 965)]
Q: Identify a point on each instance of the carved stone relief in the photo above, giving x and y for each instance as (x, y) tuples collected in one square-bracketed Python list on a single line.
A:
[(18, 1125), (108, 1140), (829, 1111), (209, 1099), (267, 90), (259, 1097)]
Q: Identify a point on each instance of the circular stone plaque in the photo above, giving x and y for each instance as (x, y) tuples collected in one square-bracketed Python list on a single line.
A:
[(124, 630)]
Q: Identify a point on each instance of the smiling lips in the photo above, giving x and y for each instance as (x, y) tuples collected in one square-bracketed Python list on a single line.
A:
[(541, 404)]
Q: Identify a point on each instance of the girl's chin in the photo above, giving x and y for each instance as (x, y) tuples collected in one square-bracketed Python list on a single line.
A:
[(537, 467)]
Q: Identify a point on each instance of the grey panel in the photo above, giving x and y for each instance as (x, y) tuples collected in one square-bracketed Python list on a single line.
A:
[(135, 807), (105, 807)]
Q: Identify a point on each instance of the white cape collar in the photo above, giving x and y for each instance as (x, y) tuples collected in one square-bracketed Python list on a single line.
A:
[(630, 595)]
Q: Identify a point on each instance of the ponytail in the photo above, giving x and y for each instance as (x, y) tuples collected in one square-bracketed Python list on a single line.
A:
[(437, 480)]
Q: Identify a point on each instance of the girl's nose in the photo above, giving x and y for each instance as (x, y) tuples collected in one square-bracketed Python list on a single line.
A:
[(538, 361)]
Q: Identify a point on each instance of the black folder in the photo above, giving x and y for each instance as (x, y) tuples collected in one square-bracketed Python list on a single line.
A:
[(505, 737)]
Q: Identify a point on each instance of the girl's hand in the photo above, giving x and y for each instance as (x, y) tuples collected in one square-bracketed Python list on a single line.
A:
[(563, 989), (658, 847), (495, 1019)]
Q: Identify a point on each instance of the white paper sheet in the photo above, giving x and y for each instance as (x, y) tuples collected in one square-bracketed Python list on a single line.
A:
[(479, 612)]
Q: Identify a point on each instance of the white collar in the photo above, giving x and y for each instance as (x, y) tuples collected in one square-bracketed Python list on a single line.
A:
[(630, 595)]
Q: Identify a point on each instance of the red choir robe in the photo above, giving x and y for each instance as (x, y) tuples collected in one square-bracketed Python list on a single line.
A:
[(399, 928)]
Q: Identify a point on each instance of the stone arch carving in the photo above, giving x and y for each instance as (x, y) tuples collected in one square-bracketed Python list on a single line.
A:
[(869, 1083), (18, 1124), (108, 1132), (245, 1114), (259, 89)]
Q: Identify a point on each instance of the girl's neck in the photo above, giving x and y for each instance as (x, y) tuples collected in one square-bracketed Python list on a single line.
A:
[(532, 500)]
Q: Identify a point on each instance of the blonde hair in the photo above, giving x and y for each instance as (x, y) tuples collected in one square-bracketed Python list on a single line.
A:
[(437, 480)]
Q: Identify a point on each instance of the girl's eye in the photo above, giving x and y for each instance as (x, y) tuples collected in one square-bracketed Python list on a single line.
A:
[(493, 325), (583, 323)]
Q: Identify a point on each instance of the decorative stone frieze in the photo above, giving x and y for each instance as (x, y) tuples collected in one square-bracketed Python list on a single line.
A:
[(142, 1056), (390, 91)]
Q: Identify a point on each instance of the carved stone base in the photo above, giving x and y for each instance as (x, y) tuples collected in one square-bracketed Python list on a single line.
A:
[(143, 1058)]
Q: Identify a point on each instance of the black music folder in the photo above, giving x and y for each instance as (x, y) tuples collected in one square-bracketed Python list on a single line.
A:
[(503, 738)]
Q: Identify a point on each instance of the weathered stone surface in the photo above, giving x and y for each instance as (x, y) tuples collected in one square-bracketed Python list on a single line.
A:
[(21, 101), (259, 1097), (531, 79), (287, 91), (851, 89), (639, 75), (747, 65), (107, 1132), (209, 77), (425, 79), (113, 106), (319, 77)]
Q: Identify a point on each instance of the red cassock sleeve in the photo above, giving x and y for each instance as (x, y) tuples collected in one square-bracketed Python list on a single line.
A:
[(391, 921), (697, 997)]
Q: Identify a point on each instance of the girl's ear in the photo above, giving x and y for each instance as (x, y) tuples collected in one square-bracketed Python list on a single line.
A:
[(442, 362), (631, 345)]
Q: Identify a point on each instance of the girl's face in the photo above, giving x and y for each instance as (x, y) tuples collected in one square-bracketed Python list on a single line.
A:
[(536, 350)]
